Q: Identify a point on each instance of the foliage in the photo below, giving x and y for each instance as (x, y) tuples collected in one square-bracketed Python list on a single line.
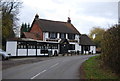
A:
[(111, 47), (93, 70), (98, 33), (10, 10), (25, 27)]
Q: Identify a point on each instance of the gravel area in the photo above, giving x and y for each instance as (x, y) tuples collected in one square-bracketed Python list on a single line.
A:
[(24, 60)]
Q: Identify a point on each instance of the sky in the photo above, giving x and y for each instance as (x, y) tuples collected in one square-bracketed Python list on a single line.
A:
[(84, 14)]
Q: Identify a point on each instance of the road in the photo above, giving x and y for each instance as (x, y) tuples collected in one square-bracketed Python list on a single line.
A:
[(67, 67)]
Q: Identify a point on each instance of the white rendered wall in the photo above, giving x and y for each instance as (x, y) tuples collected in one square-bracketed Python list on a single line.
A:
[(77, 47), (45, 35), (31, 52), (77, 37), (66, 36), (93, 49), (38, 51), (11, 47), (58, 35), (22, 52), (53, 50)]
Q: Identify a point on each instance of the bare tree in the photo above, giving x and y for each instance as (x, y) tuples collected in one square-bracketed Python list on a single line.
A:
[(10, 11)]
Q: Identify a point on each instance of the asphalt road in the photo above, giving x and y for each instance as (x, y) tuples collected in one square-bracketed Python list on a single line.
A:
[(67, 67)]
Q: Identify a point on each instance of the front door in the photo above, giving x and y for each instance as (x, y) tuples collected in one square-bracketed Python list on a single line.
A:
[(64, 46)]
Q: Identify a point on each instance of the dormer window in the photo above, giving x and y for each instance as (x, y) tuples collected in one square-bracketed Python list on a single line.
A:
[(52, 35), (62, 35), (71, 36)]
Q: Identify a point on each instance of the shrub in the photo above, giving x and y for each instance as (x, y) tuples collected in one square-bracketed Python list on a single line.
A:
[(111, 47)]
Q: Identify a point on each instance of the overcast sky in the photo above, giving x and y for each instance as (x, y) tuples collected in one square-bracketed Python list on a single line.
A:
[(84, 15)]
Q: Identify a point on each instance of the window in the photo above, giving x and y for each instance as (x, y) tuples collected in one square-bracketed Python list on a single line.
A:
[(52, 35), (21, 45), (71, 36), (62, 35), (31, 46), (87, 48), (53, 46), (71, 47), (44, 51)]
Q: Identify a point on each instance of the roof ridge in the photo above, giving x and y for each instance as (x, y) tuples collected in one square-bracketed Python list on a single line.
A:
[(52, 20)]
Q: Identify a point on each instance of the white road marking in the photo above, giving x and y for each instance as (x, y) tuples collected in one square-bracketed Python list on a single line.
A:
[(43, 71), (38, 74), (54, 65)]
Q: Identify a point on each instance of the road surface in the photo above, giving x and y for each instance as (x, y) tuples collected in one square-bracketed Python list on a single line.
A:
[(66, 67)]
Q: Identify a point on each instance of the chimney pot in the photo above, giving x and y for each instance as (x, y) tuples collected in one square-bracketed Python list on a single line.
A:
[(36, 16), (69, 20)]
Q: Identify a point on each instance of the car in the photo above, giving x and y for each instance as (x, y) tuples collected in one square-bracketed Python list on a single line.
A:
[(4, 55)]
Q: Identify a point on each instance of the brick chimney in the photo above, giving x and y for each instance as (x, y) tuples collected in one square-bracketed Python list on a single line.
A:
[(36, 17), (69, 20)]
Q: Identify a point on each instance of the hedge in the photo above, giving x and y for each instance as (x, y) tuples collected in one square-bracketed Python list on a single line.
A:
[(111, 47)]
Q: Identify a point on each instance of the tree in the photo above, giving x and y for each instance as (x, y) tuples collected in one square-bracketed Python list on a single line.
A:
[(10, 10), (96, 34), (24, 28)]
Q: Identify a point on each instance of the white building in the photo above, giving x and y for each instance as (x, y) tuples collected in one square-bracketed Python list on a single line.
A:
[(47, 37)]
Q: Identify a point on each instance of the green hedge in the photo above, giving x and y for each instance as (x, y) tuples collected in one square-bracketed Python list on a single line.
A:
[(111, 47)]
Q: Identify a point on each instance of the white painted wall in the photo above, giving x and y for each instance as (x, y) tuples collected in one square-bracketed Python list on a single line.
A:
[(31, 52), (58, 35), (77, 37), (11, 47), (45, 35), (22, 52), (66, 36), (53, 50), (93, 48), (77, 46), (38, 51)]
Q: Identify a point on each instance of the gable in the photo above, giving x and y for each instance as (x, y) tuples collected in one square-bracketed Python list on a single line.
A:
[(64, 41), (35, 29)]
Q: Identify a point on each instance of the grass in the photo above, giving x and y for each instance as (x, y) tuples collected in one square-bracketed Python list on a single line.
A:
[(93, 70)]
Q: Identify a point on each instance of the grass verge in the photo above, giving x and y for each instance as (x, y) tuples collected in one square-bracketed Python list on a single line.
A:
[(93, 70)]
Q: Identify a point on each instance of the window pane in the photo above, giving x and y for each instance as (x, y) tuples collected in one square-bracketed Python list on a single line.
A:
[(53, 35), (62, 35), (71, 36)]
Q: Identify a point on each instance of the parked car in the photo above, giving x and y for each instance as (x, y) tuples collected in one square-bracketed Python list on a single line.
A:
[(4, 55)]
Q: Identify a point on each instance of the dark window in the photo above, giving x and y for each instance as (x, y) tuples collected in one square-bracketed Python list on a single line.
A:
[(44, 51), (22, 45), (87, 48), (53, 35), (63, 35), (31, 46), (71, 36), (53, 46), (71, 47)]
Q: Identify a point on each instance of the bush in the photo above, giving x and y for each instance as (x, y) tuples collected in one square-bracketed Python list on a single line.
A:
[(110, 48)]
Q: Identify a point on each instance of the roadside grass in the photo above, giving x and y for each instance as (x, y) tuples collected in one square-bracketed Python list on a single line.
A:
[(93, 70)]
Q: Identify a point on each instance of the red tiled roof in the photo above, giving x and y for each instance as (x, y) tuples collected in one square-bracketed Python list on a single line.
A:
[(30, 35)]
